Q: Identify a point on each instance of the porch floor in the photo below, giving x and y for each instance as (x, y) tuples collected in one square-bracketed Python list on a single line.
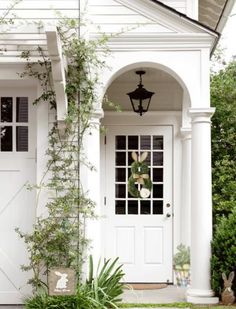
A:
[(170, 294)]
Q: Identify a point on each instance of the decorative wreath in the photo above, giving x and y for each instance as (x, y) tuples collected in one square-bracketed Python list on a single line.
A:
[(139, 175)]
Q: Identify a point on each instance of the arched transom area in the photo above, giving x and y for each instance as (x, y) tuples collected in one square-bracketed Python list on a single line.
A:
[(168, 92)]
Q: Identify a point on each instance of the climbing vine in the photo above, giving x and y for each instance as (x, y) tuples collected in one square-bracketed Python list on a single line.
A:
[(7, 18), (59, 239)]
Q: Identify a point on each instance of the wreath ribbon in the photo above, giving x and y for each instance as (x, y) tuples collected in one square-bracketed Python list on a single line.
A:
[(140, 178)]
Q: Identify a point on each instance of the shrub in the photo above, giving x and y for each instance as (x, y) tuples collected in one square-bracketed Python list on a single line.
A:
[(223, 97), (99, 292), (43, 301), (223, 251)]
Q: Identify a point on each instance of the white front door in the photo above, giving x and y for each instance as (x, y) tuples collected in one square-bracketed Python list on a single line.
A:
[(17, 204), (139, 231)]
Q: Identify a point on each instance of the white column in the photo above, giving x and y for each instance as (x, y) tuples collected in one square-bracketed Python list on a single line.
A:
[(201, 208), (186, 187), (91, 183)]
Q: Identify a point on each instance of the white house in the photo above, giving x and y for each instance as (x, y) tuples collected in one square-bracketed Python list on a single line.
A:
[(172, 42)]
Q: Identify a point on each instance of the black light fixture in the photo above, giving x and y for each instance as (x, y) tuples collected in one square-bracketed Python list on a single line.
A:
[(140, 98)]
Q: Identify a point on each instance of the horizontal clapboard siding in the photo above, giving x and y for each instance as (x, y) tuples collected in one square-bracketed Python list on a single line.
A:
[(180, 6), (43, 10), (108, 16), (42, 4)]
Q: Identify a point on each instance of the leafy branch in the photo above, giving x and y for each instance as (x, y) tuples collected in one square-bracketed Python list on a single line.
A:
[(59, 239)]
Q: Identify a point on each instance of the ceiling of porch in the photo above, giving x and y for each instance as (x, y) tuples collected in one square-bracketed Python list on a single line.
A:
[(168, 93), (210, 12)]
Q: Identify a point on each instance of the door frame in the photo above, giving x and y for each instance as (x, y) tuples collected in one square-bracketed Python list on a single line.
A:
[(160, 118)]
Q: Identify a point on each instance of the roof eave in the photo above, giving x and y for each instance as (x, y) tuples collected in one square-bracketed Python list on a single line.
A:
[(224, 15)]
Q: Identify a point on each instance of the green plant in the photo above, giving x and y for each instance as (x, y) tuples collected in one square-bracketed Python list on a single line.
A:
[(223, 251), (182, 257), (223, 97), (106, 287), (59, 239), (168, 305), (182, 265), (99, 292), (7, 18), (43, 301)]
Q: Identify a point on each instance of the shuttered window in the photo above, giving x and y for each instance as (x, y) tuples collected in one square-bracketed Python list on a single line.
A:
[(14, 124)]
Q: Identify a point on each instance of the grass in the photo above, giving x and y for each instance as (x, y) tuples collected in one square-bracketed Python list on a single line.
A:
[(173, 305), (170, 305)]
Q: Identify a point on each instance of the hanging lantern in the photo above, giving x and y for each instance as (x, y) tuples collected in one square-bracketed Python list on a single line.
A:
[(140, 98)]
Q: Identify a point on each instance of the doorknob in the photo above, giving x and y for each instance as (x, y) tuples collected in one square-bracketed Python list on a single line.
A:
[(168, 215)]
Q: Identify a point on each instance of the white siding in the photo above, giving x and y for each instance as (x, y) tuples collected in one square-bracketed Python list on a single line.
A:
[(41, 9), (30, 17), (178, 5), (111, 16)]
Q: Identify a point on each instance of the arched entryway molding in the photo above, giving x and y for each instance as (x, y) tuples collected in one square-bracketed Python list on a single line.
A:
[(119, 68)]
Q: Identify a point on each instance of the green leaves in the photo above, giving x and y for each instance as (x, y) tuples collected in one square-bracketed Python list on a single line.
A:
[(223, 97), (60, 239), (99, 292), (182, 257), (43, 301), (106, 287), (223, 250)]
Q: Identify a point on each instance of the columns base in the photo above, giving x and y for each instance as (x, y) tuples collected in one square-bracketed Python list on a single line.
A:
[(195, 296)]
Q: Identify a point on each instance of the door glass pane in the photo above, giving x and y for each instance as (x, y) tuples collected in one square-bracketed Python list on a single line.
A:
[(120, 158), (120, 174), (145, 207), (133, 142), (148, 159), (6, 138), (157, 191), (120, 207), (158, 174), (22, 109), (158, 207), (120, 142), (6, 109), (158, 158), (120, 191), (158, 142), (21, 138), (146, 142), (133, 207), (125, 203)]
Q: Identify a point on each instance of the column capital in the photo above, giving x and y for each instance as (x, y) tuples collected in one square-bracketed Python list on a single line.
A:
[(96, 115), (199, 115), (186, 133)]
